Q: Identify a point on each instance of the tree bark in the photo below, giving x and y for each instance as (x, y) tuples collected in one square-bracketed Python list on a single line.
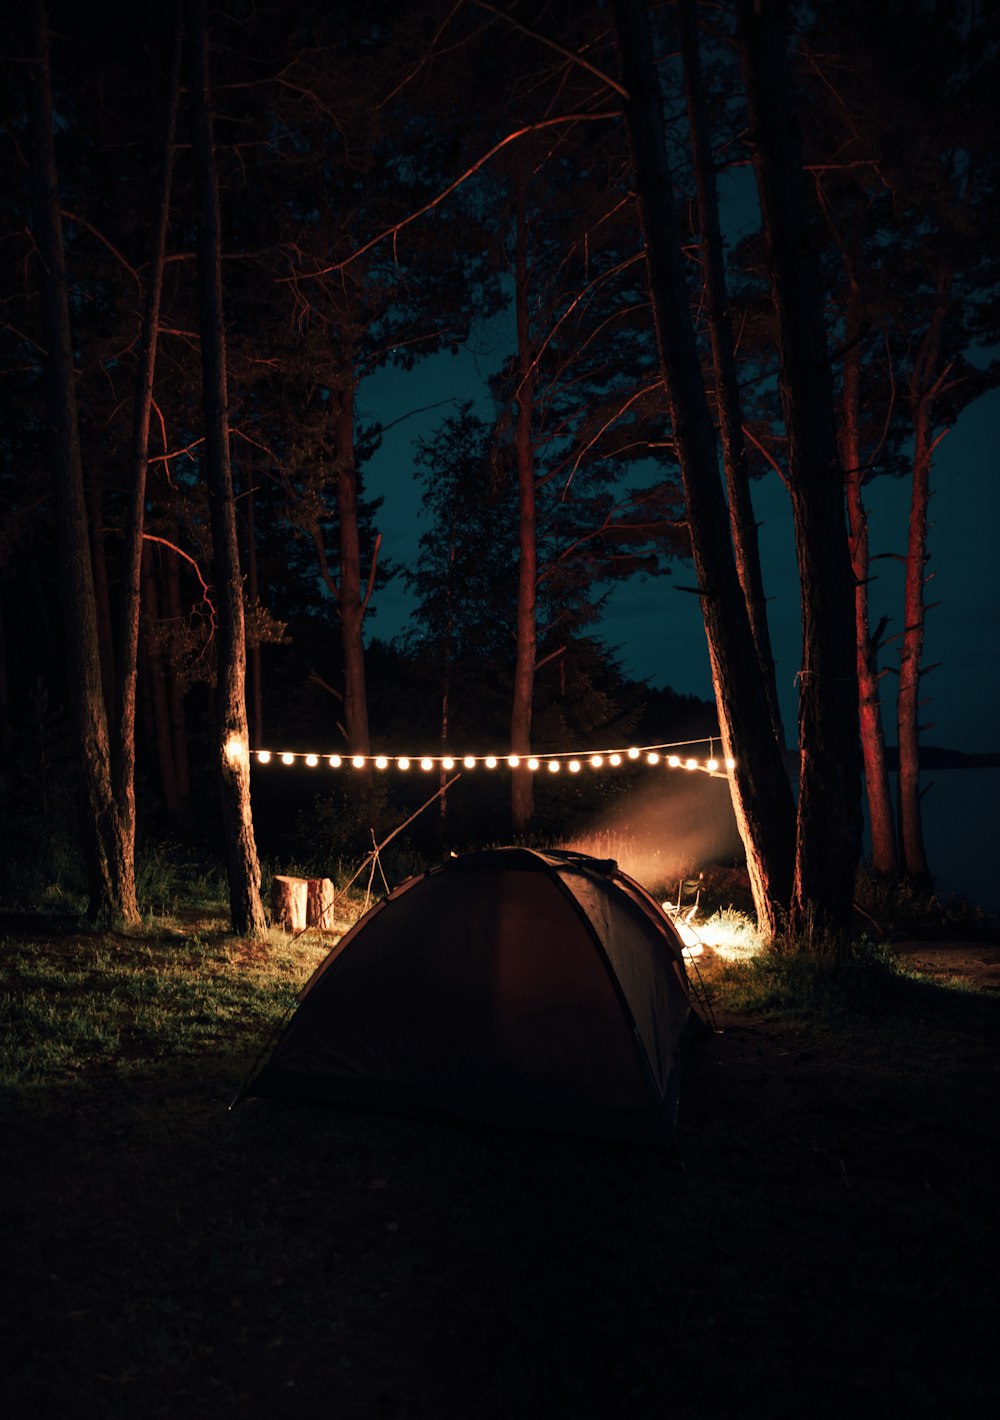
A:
[(351, 598), (256, 671), (136, 563), (522, 794), (170, 564), (742, 522), (246, 908), (6, 728), (111, 879), (761, 793), (102, 592), (924, 383), (880, 816), (157, 681), (828, 837)]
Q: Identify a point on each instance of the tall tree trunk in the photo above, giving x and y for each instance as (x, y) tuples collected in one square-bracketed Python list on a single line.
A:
[(880, 815), (352, 601), (6, 728), (175, 692), (924, 385), (94, 494), (762, 796), (522, 802), (727, 389), (243, 867), (449, 635), (111, 883), (828, 838), (253, 591), (135, 564), (154, 666)]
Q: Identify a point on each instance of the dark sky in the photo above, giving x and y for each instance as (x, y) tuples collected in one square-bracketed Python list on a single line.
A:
[(658, 629)]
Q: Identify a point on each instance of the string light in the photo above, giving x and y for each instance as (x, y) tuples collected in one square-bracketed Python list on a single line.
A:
[(574, 763)]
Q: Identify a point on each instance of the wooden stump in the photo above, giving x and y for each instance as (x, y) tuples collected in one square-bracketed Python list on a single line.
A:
[(289, 901), (319, 903), (298, 903)]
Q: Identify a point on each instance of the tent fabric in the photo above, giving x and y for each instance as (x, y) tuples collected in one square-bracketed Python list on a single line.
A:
[(511, 987)]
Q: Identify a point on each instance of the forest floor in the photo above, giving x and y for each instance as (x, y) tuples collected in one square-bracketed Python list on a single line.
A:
[(824, 1246)]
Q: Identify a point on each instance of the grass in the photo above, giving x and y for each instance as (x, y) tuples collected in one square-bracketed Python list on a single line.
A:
[(822, 1249)]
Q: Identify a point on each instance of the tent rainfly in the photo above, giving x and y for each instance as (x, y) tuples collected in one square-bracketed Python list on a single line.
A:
[(510, 987)]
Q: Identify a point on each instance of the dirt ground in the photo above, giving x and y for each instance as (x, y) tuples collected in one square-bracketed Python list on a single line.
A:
[(977, 963), (823, 1247)]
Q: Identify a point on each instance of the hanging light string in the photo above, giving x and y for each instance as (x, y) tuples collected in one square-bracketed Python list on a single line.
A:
[(676, 755)]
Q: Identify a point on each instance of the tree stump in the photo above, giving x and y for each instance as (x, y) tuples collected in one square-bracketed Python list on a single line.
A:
[(319, 903), (289, 903), (298, 903)]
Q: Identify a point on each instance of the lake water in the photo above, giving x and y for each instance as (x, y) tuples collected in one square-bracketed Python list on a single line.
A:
[(961, 814)]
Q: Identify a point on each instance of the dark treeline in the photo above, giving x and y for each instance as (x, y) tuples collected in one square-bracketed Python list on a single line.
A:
[(220, 224)]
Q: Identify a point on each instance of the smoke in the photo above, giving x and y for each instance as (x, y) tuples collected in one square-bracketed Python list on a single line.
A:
[(671, 826)]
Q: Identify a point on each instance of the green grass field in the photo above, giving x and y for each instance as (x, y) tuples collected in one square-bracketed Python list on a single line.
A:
[(825, 1246)]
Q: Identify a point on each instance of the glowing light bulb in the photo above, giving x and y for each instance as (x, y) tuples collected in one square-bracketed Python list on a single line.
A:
[(381, 762), (674, 762), (403, 763), (334, 761), (287, 758), (358, 761), (513, 760), (652, 757), (469, 761), (730, 763), (691, 764), (596, 761), (490, 761), (235, 750), (532, 763), (615, 759), (633, 753), (712, 765), (574, 766), (312, 760), (264, 756), (426, 763), (447, 762), (553, 766)]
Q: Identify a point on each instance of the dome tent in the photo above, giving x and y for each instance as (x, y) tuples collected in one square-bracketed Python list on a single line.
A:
[(512, 987)]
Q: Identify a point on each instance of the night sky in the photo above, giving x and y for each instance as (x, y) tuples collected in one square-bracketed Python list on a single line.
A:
[(658, 630)]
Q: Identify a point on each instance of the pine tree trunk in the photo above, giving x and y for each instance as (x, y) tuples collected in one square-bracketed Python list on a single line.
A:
[(522, 791), (157, 682), (762, 796), (135, 566), (828, 839), (880, 816), (175, 691), (6, 728), (256, 676), (922, 392), (246, 908), (727, 389), (351, 600), (102, 592), (111, 883)]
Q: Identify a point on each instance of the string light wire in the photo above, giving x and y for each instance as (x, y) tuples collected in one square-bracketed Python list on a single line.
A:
[(575, 761)]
